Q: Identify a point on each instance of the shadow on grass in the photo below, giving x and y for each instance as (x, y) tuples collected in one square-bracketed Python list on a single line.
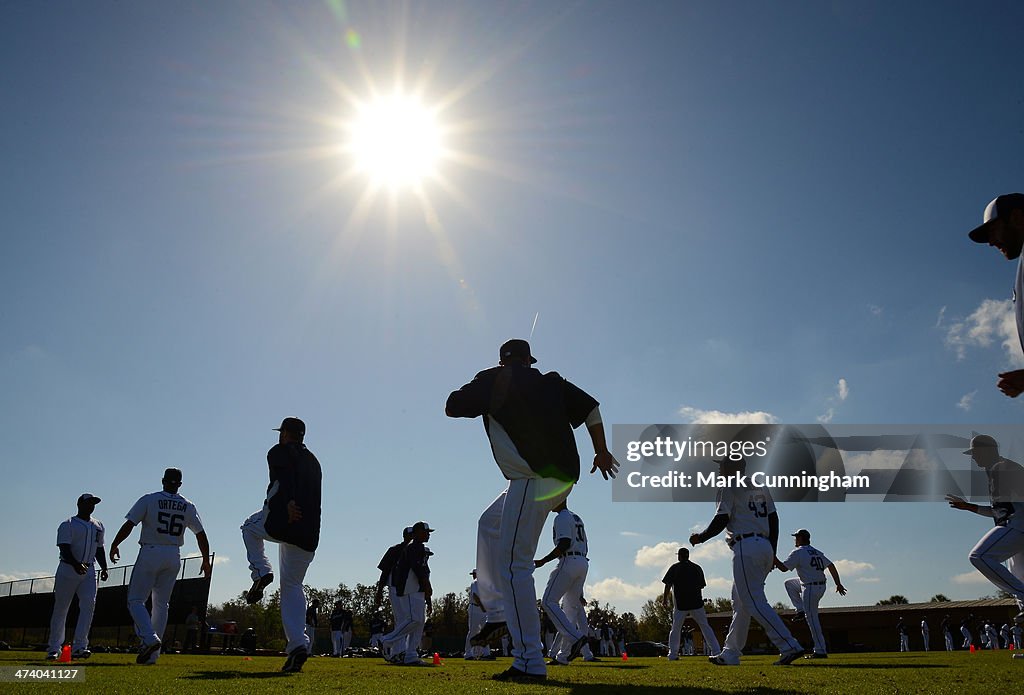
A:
[(884, 667), (230, 675), (608, 689)]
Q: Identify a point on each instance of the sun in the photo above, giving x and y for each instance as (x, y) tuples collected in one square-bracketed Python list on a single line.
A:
[(396, 141)]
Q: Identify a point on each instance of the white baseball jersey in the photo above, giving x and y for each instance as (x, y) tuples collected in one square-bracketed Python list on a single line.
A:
[(83, 536), (748, 509), (164, 517), (809, 563), (568, 525)]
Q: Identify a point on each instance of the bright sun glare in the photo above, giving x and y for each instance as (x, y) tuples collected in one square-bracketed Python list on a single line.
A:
[(395, 140)]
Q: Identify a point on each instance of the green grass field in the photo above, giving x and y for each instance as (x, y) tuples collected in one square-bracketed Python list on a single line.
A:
[(934, 672)]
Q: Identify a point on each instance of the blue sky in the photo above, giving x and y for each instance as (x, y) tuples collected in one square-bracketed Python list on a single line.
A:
[(713, 210)]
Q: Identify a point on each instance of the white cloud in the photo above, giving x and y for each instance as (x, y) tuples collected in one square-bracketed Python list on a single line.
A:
[(867, 580), (972, 577), (942, 316), (718, 584), (852, 568), (630, 534), (660, 555), (967, 401), (717, 417), (992, 321), (18, 576), (220, 560), (842, 389), (712, 550), (827, 416), (842, 392), (615, 591), (875, 309)]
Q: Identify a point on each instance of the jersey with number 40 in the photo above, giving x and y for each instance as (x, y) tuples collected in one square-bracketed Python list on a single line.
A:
[(748, 509), (568, 525), (809, 563), (164, 517)]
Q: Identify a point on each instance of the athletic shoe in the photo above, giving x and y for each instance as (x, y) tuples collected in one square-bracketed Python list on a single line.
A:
[(556, 662), (255, 592), (673, 658), (788, 658), (487, 658), (719, 661), (53, 656), (1018, 656), (592, 659), (418, 662), (577, 648), (487, 633), (514, 675), (816, 655), (398, 658), (81, 654), (146, 651), (296, 658)]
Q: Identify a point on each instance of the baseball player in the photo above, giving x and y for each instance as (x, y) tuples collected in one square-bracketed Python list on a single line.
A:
[(925, 635), (412, 586), (901, 631), (565, 584), (377, 629), (992, 636), (684, 582), (80, 541), (965, 630), (388, 579), (529, 418), (806, 590), (1005, 541), (341, 629), (1016, 631), (312, 622), (291, 518), (477, 618), (1004, 634), (164, 516), (947, 633), (748, 513)]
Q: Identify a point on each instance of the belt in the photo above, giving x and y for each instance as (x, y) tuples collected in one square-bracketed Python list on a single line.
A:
[(583, 555), (737, 539), (814, 583)]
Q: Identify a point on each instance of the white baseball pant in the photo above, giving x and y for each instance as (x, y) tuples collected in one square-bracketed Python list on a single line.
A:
[(409, 632), (66, 584), (700, 617), (565, 585), (153, 577), (999, 545), (806, 597)]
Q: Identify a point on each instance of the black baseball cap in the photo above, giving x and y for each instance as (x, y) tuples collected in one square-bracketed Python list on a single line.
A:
[(802, 532), (517, 349), (86, 497), (998, 208), (293, 425), (422, 526), (981, 441)]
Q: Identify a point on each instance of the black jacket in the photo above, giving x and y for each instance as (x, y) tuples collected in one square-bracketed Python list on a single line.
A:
[(294, 475), (538, 411)]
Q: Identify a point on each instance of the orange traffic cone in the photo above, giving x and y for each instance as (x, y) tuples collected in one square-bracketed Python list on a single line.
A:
[(437, 659), (624, 657), (972, 649), (65, 654)]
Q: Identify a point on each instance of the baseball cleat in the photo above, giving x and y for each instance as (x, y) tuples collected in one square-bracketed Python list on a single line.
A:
[(296, 658), (81, 654), (577, 648), (489, 632), (1018, 656), (398, 658), (719, 661), (556, 662), (788, 658), (53, 656), (591, 659), (816, 655), (146, 651), (514, 675), (255, 592)]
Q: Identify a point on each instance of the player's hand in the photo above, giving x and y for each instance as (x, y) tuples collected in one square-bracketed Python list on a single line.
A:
[(115, 554), (103, 575), (1011, 383), (695, 539), (607, 463), (206, 569), (957, 502), (294, 512), (840, 589)]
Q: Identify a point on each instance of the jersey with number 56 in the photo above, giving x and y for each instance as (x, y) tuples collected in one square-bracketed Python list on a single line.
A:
[(164, 517), (748, 509), (568, 525), (809, 563)]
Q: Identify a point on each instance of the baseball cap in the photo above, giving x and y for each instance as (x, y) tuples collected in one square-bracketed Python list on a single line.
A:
[(982, 441), (422, 526), (88, 497), (999, 207), (801, 532), (293, 425), (407, 531), (519, 349)]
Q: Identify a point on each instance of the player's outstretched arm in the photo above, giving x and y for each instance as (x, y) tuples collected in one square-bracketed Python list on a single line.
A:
[(835, 577), (716, 526), (603, 458), (120, 537), (957, 502)]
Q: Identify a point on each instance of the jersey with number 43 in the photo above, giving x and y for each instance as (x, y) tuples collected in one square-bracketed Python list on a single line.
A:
[(809, 563), (568, 525), (164, 517), (748, 509)]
